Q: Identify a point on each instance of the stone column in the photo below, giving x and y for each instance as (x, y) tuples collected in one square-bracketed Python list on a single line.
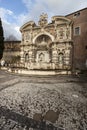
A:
[(22, 53), (68, 56), (54, 54)]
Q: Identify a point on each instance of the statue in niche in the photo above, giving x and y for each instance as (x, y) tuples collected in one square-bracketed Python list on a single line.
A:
[(43, 41), (26, 57), (43, 38), (67, 32), (55, 31), (61, 58), (55, 34), (41, 57)]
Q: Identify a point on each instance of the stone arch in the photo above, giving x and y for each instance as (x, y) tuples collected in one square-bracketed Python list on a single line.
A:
[(43, 33)]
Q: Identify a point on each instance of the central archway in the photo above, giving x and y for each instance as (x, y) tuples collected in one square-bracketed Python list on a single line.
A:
[(43, 33)]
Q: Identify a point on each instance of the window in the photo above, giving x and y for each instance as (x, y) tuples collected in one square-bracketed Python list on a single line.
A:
[(76, 14), (77, 31)]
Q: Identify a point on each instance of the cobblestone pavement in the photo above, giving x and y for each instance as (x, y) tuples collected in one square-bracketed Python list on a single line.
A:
[(43, 102)]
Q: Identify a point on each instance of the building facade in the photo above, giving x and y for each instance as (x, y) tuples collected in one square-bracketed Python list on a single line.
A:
[(79, 19), (47, 46), (58, 45)]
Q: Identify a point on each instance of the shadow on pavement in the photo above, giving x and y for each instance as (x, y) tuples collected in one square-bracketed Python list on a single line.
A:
[(10, 120)]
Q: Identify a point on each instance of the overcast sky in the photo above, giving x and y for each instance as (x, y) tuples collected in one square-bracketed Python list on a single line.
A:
[(14, 13)]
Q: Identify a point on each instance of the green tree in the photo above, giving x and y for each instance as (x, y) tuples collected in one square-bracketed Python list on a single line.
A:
[(1, 40)]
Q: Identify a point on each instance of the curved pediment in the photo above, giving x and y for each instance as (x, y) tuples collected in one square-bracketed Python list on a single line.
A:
[(60, 19), (27, 25)]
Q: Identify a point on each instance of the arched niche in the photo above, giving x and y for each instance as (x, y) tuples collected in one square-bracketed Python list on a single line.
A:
[(26, 55), (43, 40), (61, 58), (45, 34)]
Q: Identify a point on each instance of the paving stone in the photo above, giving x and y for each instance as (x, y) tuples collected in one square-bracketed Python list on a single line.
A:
[(63, 97)]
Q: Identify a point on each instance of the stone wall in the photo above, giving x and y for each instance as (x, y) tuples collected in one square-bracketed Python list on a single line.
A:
[(11, 51)]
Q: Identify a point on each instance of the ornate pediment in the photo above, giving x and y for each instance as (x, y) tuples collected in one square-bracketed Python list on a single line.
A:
[(60, 20), (28, 25)]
